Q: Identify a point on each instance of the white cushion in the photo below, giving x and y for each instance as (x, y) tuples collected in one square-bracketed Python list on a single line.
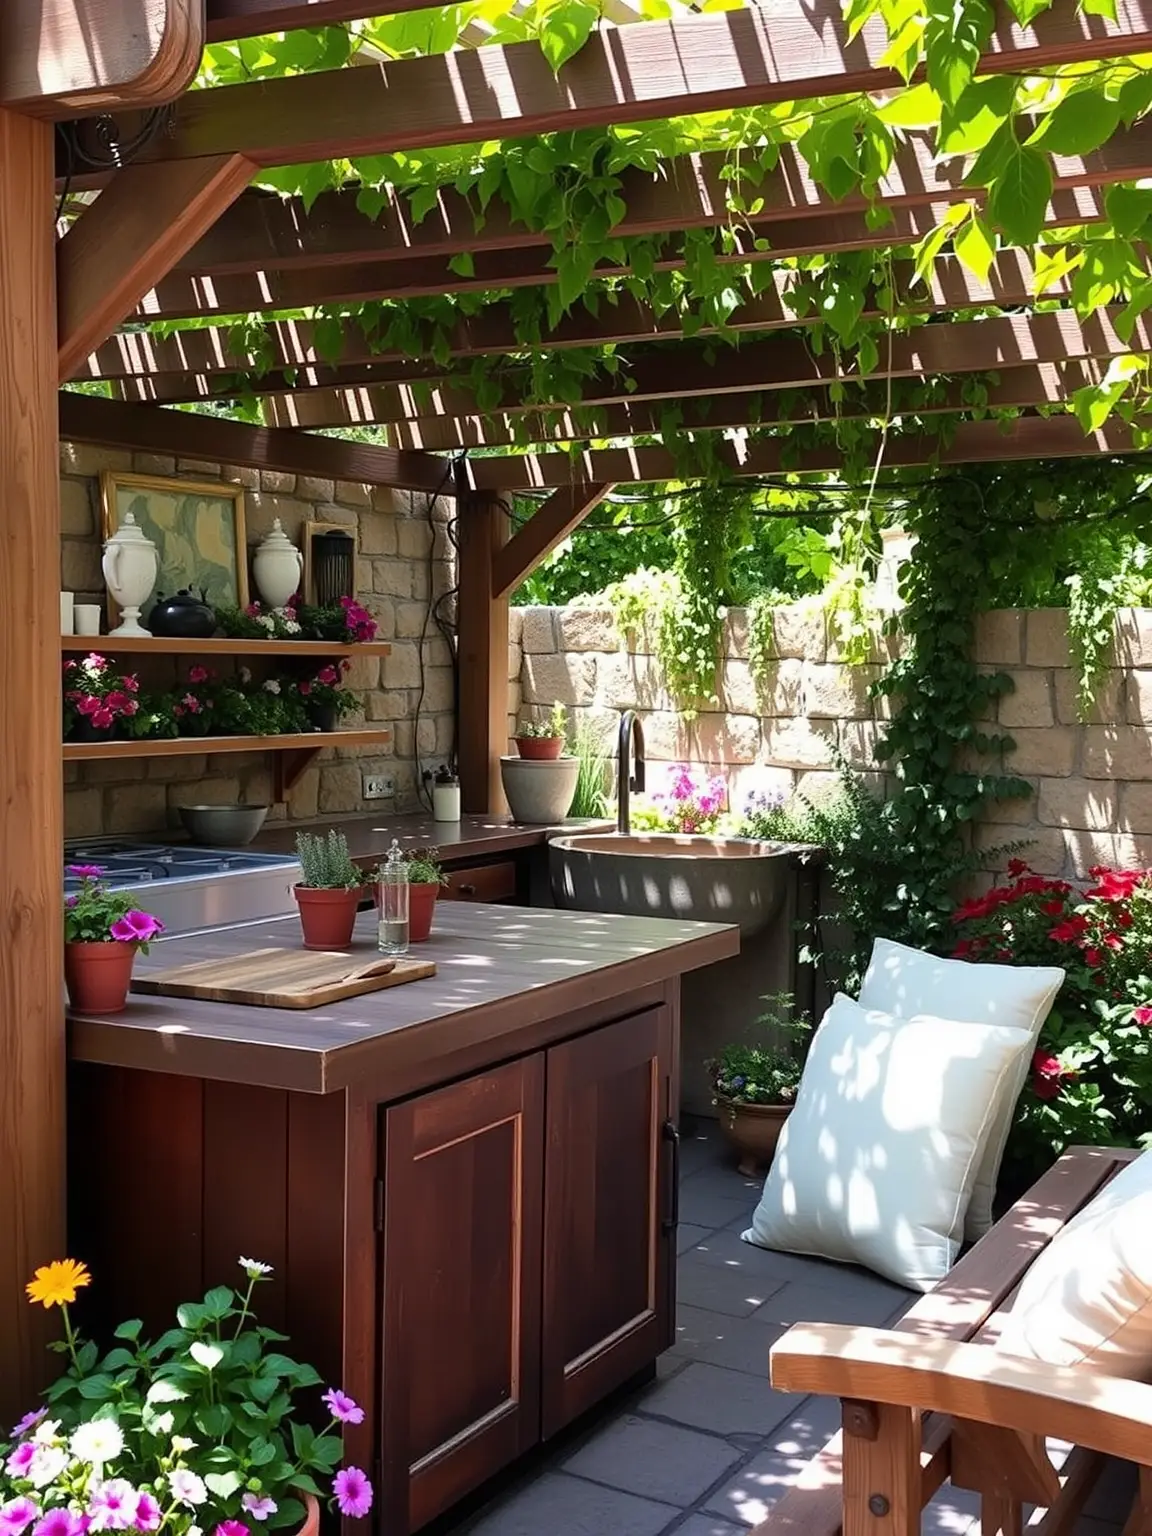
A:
[(875, 1162), (1088, 1297), (908, 982)]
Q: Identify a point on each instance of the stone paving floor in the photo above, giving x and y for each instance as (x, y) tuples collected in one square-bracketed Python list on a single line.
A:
[(708, 1447)]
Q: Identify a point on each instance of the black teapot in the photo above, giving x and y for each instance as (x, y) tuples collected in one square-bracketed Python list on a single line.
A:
[(182, 617)]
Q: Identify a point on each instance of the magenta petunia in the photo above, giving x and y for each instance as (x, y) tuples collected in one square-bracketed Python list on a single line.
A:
[(61, 1522), (21, 1458), (197, 674), (112, 1505), (17, 1515), (342, 1407), (148, 1513), (82, 872), (136, 927), (353, 1492), (231, 1528)]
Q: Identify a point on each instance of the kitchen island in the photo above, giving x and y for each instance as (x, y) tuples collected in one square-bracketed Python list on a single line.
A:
[(466, 1185)]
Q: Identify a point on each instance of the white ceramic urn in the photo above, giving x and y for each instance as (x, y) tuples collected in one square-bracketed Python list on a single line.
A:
[(277, 566), (131, 565)]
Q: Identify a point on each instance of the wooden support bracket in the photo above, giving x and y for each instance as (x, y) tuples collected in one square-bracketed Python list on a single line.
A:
[(128, 240), (287, 768), (881, 1470), (549, 525)]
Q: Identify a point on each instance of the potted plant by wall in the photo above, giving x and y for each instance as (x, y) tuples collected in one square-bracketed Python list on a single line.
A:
[(99, 701), (199, 1431), (540, 781), (329, 892), (325, 701), (755, 1085), (103, 931), (425, 877), (543, 739)]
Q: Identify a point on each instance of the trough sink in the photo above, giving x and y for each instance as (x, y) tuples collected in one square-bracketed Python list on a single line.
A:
[(660, 874)]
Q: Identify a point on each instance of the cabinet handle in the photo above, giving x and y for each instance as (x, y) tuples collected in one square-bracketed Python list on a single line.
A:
[(466, 890), (671, 1133)]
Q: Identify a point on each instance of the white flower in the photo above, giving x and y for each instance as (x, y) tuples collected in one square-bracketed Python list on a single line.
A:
[(186, 1487), (96, 1442), (259, 1505), (245, 674), (266, 621), (46, 1465), (47, 1432), (181, 1443), (272, 686), (254, 1269), (291, 626)]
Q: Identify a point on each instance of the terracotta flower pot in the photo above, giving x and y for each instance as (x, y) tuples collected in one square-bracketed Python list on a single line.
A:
[(753, 1129), (421, 906), (327, 917), (540, 748), (97, 975), (311, 1525)]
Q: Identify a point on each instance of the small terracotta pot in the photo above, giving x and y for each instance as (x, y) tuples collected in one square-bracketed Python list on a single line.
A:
[(753, 1129), (421, 906), (540, 748), (97, 975), (327, 917), (311, 1525)]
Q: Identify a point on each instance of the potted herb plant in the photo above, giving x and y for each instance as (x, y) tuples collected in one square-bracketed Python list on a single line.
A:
[(103, 930), (755, 1085), (425, 877), (543, 739), (329, 892), (199, 1431), (540, 780)]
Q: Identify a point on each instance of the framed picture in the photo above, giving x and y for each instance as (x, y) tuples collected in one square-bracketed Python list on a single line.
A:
[(197, 527)]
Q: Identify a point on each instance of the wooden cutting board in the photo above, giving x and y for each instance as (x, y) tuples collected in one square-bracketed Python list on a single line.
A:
[(283, 978)]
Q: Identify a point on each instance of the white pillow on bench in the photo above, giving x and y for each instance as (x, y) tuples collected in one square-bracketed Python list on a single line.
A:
[(875, 1163), (1088, 1297), (908, 982)]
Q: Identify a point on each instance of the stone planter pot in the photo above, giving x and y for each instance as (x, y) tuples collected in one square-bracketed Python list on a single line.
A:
[(540, 792), (327, 917), (754, 1130), (421, 909), (98, 975)]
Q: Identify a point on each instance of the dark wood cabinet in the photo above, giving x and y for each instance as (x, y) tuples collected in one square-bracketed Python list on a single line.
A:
[(608, 1218), (460, 1362)]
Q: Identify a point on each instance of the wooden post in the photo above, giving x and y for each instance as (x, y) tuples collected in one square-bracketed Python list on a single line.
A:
[(31, 790), (482, 630)]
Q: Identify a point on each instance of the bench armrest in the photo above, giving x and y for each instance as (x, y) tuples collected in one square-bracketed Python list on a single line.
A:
[(967, 1381)]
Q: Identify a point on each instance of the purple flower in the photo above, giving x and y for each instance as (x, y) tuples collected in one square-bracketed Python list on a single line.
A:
[(148, 1513), (86, 871), (112, 1505), (61, 1522), (136, 927), (16, 1515), (20, 1459), (342, 1407), (28, 1423), (259, 1505), (353, 1492)]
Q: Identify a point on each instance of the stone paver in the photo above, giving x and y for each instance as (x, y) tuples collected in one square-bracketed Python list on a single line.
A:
[(709, 1448), (656, 1460)]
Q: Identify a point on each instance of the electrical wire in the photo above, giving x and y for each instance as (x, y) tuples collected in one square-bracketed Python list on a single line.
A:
[(433, 613)]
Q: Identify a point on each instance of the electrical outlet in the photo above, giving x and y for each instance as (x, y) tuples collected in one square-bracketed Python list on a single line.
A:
[(378, 786)]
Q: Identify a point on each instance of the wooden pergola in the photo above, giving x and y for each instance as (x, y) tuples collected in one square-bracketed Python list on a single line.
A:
[(180, 233)]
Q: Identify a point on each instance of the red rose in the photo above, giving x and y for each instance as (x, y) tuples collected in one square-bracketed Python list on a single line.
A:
[(1093, 958), (1017, 867), (1070, 931), (1142, 1015), (1116, 884), (1052, 909), (1046, 1087)]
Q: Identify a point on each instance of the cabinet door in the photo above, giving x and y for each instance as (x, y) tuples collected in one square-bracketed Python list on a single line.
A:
[(461, 1288), (609, 1211)]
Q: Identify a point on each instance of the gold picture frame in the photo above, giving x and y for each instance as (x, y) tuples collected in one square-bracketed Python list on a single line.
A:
[(197, 527)]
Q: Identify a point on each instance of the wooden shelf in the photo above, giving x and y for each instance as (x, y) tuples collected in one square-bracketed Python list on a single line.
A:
[(131, 645), (291, 753)]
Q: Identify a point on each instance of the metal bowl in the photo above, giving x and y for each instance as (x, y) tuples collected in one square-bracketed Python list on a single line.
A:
[(222, 826)]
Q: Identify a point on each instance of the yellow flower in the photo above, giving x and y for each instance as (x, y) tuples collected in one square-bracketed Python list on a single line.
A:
[(56, 1284)]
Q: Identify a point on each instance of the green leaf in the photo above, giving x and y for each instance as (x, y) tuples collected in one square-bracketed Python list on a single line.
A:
[(565, 29), (918, 107), (1080, 123), (462, 264), (207, 1355), (96, 1387), (975, 246), (223, 1484), (164, 1392), (1018, 198), (1128, 208), (130, 1330)]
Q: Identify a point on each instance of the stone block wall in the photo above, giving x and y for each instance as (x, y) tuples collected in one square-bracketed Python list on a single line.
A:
[(404, 563), (1091, 780)]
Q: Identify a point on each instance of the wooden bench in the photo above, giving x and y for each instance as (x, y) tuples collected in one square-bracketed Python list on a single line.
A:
[(928, 1401)]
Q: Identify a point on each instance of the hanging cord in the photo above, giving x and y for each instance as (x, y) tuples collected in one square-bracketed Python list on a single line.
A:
[(433, 613), (106, 150)]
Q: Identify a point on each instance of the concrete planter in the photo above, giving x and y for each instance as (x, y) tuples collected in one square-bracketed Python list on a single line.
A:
[(540, 793)]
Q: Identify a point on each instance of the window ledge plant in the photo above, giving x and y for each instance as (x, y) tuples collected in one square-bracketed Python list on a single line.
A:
[(755, 1085), (197, 1432), (103, 930)]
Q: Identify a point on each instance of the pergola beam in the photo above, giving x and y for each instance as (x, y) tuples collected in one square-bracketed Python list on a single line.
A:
[(87, 419), (185, 364), (549, 525), (677, 371), (751, 57), (230, 19), (129, 239), (973, 442)]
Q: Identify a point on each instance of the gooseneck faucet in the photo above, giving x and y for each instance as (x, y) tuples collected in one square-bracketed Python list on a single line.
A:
[(629, 768)]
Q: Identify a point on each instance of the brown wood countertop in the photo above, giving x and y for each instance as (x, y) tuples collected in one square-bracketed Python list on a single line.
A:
[(503, 972), (471, 837)]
